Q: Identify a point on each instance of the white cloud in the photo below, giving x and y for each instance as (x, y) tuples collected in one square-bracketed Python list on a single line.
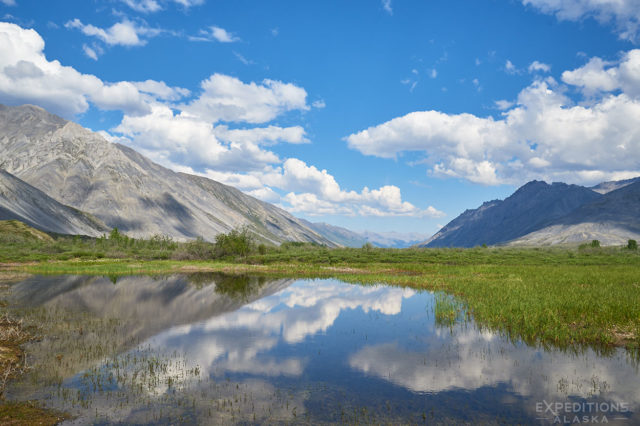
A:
[(222, 35), (624, 15), (316, 192), (215, 33), (8, 2), (27, 76), (599, 76), (386, 5), (544, 135), (144, 6), (433, 73), (125, 33), (242, 59), (189, 3), (160, 90), (226, 98), (150, 6), (319, 104), (510, 68), (183, 139), (90, 52), (539, 66), (503, 104)]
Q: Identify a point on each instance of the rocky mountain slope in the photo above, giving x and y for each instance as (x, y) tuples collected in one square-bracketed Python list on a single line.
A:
[(533, 206), (23, 202), (613, 219), (124, 189)]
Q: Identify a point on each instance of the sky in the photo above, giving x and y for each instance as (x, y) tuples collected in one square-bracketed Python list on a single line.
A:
[(392, 115)]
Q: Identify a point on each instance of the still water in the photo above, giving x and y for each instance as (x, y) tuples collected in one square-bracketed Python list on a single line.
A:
[(212, 349)]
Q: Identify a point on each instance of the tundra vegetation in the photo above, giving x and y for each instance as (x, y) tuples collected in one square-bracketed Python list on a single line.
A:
[(566, 297)]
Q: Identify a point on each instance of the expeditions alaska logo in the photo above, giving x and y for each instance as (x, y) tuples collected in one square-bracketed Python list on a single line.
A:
[(581, 412)]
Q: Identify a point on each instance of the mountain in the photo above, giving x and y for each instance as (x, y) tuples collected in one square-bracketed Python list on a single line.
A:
[(21, 201), (613, 219), (350, 238), (533, 206), (393, 239), (124, 189), (344, 237), (604, 187)]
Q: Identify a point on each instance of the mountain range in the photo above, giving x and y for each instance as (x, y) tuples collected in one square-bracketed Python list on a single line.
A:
[(59, 177), (545, 214), (349, 238), (87, 175)]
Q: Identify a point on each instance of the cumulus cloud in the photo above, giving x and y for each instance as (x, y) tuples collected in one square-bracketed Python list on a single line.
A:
[(544, 135), (222, 35), (27, 76), (226, 98), (316, 192), (599, 76), (536, 66), (624, 15), (125, 33), (181, 138)]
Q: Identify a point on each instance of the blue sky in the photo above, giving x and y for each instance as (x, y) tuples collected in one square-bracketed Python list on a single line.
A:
[(380, 115)]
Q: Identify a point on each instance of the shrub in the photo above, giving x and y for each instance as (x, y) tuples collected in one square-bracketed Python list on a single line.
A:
[(595, 243), (235, 243), (632, 245)]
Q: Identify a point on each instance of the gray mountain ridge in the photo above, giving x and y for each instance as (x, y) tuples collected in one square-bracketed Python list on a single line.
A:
[(613, 219), (533, 206), (23, 202), (122, 188)]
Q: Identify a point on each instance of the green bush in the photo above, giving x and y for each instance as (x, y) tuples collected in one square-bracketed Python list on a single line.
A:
[(238, 242), (595, 243), (632, 245)]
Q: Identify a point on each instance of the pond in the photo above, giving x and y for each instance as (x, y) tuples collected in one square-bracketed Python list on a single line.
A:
[(211, 349)]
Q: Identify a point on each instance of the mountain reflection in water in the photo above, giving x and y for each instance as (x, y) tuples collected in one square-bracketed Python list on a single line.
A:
[(212, 348)]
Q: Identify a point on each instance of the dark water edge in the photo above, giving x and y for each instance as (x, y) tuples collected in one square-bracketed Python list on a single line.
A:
[(211, 349)]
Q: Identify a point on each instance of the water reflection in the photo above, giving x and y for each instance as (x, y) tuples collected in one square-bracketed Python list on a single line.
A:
[(213, 348)]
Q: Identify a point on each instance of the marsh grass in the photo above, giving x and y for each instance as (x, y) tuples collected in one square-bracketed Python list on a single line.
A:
[(447, 310)]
